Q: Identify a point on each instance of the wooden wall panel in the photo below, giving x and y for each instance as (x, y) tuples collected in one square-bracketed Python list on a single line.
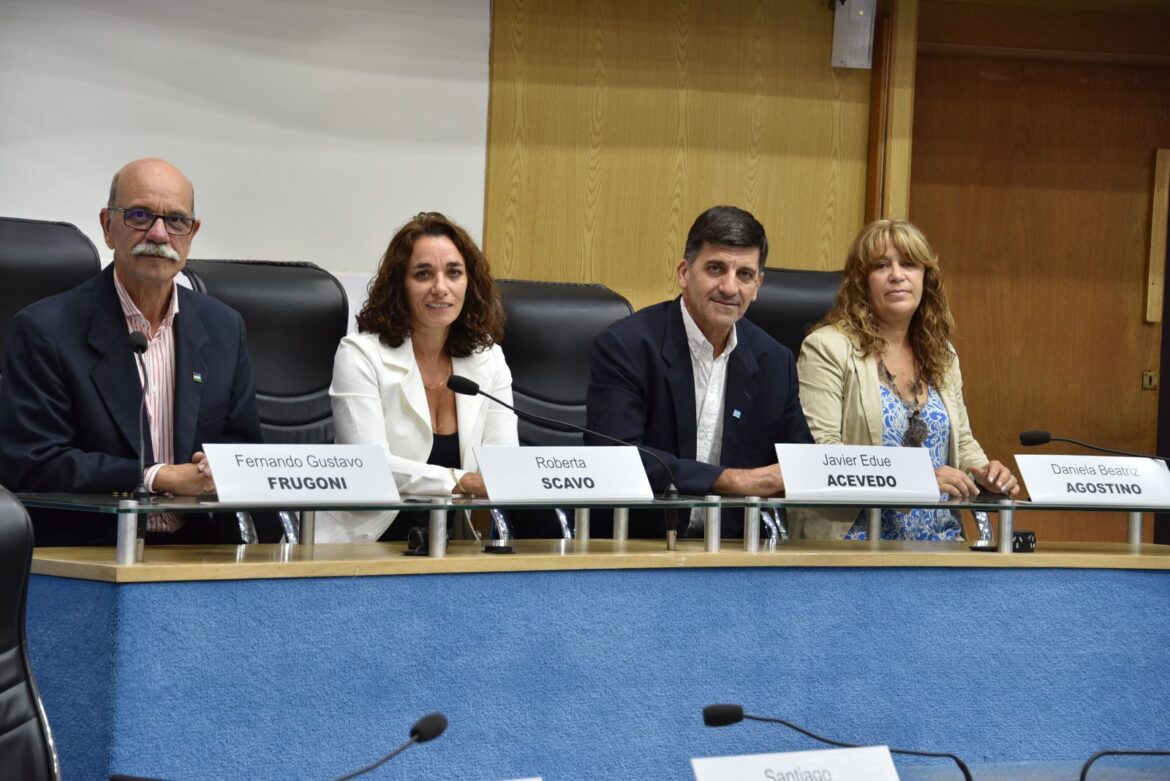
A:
[(613, 124), (1100, 30), (891, 110), (901, 114), (1033, 180)]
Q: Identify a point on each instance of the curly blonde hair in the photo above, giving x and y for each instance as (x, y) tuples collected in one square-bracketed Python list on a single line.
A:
[(932, 323)]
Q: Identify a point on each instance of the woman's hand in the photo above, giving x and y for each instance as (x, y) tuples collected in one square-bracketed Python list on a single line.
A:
[(471, 483), (997, 479), (955, 482)]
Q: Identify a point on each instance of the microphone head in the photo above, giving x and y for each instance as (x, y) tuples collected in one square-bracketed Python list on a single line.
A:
[(138, 342), (462, 385), (1033, 438), (428, 727), (723, 714)]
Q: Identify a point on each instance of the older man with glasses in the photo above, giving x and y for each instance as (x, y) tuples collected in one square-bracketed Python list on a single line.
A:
[(72, 390)]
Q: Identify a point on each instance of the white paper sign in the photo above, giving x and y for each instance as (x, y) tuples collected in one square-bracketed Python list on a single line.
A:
[(280, 474), (538, 474), (857, 473), (1112, 480), (871, 763)]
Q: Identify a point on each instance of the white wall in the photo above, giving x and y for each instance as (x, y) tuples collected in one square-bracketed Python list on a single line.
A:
[(311, 130)]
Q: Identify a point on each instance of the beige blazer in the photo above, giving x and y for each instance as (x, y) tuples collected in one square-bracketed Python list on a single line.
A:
[(841, 397), (378, 398)]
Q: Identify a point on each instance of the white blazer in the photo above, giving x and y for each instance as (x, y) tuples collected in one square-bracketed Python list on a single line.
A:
[(378, 399)]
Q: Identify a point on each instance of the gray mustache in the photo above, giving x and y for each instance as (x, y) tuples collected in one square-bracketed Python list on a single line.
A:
[(150, 249)]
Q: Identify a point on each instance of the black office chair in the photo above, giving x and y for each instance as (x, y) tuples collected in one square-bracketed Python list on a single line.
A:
[(26, 744), (39, 259), (791, 301), (549, 330), (296, 315)]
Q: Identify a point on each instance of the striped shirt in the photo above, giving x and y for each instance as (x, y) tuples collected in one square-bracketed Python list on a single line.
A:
[(160, 398)]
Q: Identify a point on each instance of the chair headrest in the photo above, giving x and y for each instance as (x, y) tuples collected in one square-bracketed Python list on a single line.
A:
[(39, 259), (549, 330), (791, 301), (295, 314)]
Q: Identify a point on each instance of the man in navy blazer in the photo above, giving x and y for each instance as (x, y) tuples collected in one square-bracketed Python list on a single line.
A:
[(71, 390), (708, 392)]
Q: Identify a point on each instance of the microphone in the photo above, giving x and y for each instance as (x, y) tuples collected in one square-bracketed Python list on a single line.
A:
[(139, 343), (1034, 437), (1114, 752), (427, 728), (466, 387), (721, 715)]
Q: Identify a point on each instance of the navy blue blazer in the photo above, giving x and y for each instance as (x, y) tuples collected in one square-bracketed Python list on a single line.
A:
[(642, 390), (70, 392)]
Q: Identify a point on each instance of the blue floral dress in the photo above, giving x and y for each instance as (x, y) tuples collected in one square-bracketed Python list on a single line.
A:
[(918, 524)]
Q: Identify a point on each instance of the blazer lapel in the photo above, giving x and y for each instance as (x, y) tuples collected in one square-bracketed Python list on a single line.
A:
[(867, 385), (680, 378), (190, 341), (401, 359), (739, 399), (115, 375)]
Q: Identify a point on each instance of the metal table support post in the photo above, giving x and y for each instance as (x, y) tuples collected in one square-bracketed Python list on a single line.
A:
[(308, 526), (581, 524), (713, 525), (621, 524), (437, 530), (1006, 517), (873, 518), (751, 525), (1135, 528), (127, 550)]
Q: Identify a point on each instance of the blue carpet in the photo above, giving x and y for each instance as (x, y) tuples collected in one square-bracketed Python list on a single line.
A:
[(596, 674)]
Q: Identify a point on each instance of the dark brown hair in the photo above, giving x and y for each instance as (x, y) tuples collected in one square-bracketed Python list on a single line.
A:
[(386, 312), (729, 226)]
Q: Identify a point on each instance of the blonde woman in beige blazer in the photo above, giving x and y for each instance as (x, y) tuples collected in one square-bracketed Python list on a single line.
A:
[(881, 370), (433, 311)]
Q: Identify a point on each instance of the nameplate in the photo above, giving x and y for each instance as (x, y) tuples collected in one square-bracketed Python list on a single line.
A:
[(1122, 481), (538, 474), (335, 474), (871, 763), (857, 472)]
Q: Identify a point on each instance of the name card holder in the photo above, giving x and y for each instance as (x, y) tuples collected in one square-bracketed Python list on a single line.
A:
[(291, 475), (857, 473), (1118, 481), (563, 474), (1124, 481), (870, 763)]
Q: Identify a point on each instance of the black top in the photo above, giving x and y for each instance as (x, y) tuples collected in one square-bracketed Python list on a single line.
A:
[(445, 452)]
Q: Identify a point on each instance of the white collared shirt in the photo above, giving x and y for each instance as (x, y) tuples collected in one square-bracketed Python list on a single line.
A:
[(710, 374)]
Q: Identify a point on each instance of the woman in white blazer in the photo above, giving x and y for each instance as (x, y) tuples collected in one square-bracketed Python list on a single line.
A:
[(880, 370), (433, 310)]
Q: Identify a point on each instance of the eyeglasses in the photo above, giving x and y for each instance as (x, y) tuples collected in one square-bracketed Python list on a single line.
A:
[(915, 430), (143, 220)]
